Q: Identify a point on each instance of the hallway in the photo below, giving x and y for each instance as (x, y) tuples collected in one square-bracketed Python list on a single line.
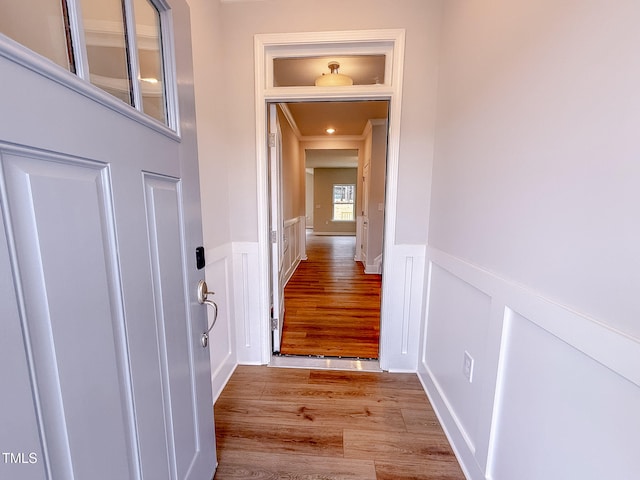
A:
[(332, 308)]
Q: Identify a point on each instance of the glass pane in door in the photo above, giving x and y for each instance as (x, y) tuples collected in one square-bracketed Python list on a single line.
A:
[(104, 32), (149, 41), (40, 25)]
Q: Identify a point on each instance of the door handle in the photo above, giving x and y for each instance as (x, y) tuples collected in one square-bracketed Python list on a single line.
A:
[(203, 299)]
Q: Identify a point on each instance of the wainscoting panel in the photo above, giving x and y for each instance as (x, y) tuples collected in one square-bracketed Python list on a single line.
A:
[(554, 393), (457, 328), (402, 303), (294, 241), (222, 351), (249, 320), (561, 413)]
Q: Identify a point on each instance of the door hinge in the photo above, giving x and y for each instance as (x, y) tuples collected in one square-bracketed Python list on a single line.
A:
[(274, 324), (274, 236), (272, 140)]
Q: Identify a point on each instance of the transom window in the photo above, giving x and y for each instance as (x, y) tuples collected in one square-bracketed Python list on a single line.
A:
[(117, 45), (343, 202)]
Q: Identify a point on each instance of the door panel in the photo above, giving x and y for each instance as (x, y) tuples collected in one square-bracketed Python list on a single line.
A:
[(58, 212), (100, 224), (173, 328), (17, 395)]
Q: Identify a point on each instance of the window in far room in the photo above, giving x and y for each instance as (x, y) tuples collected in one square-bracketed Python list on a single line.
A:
[(343, 202)]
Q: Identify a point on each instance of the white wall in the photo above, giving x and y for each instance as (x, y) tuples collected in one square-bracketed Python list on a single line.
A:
[(208, 47), (549, 159), (532, 259)]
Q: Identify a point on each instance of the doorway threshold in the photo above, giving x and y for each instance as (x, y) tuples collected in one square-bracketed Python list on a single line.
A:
[(325, 363)]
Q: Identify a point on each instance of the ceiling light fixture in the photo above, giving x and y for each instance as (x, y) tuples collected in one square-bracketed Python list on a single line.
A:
[(330, 130), (334, 78)]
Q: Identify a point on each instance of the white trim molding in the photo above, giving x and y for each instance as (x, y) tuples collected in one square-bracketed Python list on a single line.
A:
[(222, 345), (294, 249), (402, 307), (250, 330), (266, 48)]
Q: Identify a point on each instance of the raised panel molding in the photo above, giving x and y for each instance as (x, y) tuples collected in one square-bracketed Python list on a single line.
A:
[(166, 243), (459, 316), (294, 250), (528, 344), (250, 321), (61, 237), (403, 293), (222, 338), (555, 402)]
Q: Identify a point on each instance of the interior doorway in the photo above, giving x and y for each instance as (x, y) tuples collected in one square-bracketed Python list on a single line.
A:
[(332, 188), (325, 46)]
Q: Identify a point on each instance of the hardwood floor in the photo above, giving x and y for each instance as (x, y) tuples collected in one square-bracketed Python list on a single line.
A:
[(332, 308), (274, 423)]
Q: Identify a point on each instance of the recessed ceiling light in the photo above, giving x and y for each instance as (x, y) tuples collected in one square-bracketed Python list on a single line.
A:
[(330, 130)]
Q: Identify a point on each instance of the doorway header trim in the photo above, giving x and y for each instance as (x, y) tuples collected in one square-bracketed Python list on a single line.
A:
[(389, 43)]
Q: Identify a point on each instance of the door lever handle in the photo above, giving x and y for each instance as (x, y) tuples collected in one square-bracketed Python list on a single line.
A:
[(203, 300)]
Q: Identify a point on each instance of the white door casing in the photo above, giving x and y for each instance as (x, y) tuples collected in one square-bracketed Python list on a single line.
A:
[(366, 172), (277, 228), (266, 48), (104, 373)]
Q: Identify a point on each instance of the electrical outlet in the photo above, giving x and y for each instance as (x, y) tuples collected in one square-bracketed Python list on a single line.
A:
[(467, 366)]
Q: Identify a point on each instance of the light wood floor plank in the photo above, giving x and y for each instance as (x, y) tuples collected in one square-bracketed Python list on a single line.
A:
[(420, 420), (240, 466), (400, 381), (253, 436), (427, 469), (258, 373), (352, 392), (319, 413), (389, 446)]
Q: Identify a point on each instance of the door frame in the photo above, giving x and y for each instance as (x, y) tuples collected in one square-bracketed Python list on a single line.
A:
[(269, 46)]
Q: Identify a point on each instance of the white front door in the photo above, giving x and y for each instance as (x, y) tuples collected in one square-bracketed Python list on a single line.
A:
[(104, 376), (277, 228)]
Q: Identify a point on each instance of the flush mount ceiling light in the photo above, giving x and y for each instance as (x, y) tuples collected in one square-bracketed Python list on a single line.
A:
[(330, 130), (334, 78)]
